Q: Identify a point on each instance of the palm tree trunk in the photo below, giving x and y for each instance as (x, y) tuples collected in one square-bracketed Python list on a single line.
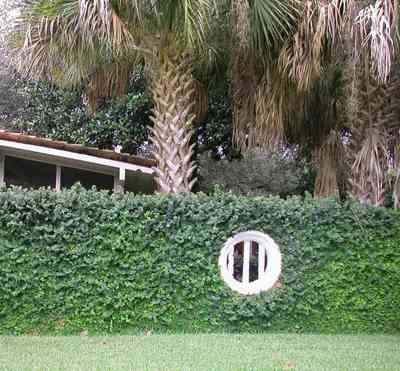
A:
[(373, 114), (327, 162), (172, 91), (243, 75)]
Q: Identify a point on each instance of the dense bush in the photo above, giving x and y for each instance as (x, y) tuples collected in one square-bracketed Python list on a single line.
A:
[(86, 260), (60, 114), (123, 122), (256, 174)]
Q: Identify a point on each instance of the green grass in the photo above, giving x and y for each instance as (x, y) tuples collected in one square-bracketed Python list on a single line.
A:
[(201, 352)]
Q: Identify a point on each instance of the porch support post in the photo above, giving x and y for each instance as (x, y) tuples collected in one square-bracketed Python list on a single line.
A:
[(119, 181)]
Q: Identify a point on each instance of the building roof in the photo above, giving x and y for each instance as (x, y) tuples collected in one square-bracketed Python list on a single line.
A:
[(76, 148)]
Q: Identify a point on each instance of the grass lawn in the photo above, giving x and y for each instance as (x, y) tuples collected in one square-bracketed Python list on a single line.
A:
[(200, 352)]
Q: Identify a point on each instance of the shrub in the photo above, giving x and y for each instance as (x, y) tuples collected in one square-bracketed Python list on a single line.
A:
[(123, 122), (59, 114), (111, 263), (256, 174)]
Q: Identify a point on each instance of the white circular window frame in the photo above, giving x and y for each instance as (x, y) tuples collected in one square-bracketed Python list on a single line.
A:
[(269, 276)]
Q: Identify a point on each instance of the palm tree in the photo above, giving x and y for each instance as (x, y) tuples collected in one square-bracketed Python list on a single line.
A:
[(283, 71), (293, 97), (374, 114), (97, 41), (299, 99)]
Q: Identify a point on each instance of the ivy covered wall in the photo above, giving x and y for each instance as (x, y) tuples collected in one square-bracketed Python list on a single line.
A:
[(83, 260)]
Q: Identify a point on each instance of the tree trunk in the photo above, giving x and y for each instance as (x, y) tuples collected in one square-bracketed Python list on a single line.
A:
[(172, 90), (327, 160), (243, 76), (373, 112), (373, 116)]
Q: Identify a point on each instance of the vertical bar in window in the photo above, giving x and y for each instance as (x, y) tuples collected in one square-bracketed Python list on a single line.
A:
[(58, 178), (246, 262), (261, 261)]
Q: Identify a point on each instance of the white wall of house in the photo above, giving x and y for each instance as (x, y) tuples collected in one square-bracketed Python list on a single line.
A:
[(125, 176)]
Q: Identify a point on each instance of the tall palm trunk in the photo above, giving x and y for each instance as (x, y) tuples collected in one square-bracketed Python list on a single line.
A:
[(327, 161), (172, 90), (243, 75), (373, 115), (374, 106)]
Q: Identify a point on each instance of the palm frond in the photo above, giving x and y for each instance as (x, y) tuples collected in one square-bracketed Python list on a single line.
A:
[(272, 107), (109, 81), (374, 30), (257, 29), (369, 168), (98, 19), (321, 27), (272, 21), (72, 36), (188, 18)]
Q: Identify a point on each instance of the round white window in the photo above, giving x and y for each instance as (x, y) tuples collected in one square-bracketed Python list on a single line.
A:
[(250, 262)]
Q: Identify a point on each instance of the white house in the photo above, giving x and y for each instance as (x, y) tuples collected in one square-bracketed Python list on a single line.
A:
[(34, 162)]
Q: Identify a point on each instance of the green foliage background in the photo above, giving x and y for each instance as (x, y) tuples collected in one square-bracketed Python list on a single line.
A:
[(81, 259), (60, 114)]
